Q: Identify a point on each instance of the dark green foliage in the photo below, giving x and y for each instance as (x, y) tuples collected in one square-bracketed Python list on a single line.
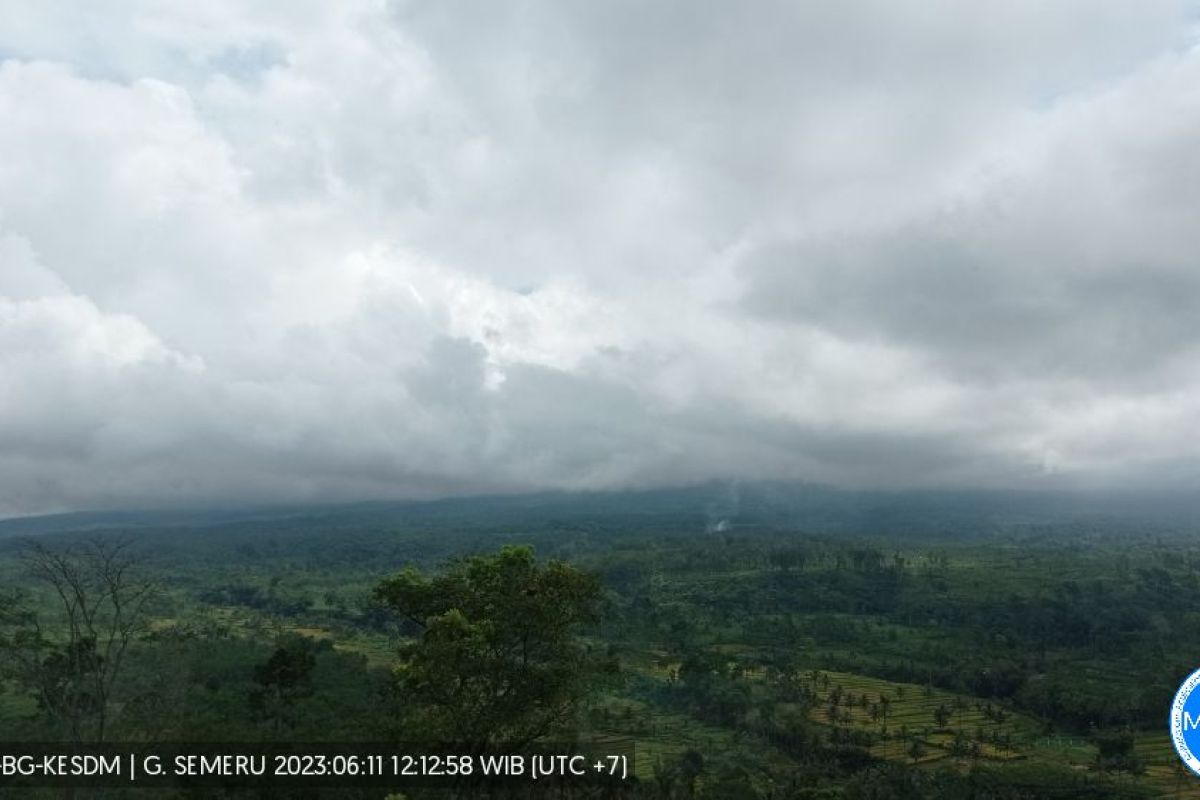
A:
[(283, 679), (497, 658), (1115, 751)]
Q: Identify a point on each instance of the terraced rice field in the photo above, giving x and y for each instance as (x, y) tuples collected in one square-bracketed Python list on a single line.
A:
[(907, 711), (912, 709), (1163, 767)]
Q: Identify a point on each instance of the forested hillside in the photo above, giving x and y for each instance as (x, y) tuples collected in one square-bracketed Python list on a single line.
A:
[(740, 652)]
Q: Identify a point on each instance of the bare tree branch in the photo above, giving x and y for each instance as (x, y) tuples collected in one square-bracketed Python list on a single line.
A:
[(72, 663)]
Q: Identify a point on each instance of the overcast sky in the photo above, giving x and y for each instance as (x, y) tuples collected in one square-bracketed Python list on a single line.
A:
[(315, 250)]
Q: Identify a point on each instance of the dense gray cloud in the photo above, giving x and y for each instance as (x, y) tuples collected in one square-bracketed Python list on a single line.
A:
[(265, 251)]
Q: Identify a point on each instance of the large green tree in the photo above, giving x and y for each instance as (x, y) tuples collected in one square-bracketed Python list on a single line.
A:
[(497, 655), (282, 680)]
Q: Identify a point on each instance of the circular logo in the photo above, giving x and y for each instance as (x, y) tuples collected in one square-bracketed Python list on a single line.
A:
[(1185, 722)]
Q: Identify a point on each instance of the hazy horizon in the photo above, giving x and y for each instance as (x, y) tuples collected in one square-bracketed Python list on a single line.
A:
[(313, 252)]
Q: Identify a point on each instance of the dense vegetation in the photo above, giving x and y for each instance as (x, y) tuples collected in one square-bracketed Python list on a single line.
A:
[(757, 645)]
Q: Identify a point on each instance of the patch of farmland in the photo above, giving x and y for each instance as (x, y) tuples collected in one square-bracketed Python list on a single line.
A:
[(896, 714)]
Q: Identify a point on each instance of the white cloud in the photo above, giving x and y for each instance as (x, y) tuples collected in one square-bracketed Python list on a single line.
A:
[(314, 250)]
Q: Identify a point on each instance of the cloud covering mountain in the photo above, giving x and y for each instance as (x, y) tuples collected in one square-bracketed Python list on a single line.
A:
[(311, 250)]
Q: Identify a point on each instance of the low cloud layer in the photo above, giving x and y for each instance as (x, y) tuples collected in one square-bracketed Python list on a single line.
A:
[(323, 251)]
